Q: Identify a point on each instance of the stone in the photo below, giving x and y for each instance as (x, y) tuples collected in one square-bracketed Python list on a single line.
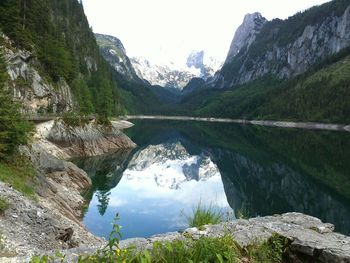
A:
[(91, 139)]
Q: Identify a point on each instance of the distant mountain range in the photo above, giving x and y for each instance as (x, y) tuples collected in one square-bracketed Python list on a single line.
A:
[(170, 76)]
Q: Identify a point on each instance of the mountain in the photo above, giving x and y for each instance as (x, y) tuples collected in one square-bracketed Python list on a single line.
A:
[(169, 165), (295, 69), (285, 48), (138, 95), (113, 51), (207, 65), (172, 76), (53, 61)]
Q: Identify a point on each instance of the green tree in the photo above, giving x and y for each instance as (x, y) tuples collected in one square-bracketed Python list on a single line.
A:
[(14, 130)]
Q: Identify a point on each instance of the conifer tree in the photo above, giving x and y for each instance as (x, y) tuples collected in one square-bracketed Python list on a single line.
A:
[(14, 130)]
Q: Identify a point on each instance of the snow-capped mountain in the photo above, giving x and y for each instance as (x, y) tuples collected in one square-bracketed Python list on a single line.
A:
[(171, 76), (197, 65), (207, 65), (169, 165)]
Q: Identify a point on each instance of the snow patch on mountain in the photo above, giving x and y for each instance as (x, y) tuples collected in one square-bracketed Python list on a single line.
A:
[(171, 75)]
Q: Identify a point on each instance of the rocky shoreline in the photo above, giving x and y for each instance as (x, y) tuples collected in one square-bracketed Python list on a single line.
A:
[(281, 124), (310, 240), (29, 227)]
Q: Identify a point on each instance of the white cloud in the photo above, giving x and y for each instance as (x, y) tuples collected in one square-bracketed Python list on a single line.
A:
[(167, 30)]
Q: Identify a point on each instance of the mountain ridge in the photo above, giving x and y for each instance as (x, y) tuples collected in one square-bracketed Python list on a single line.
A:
[(285, 48)]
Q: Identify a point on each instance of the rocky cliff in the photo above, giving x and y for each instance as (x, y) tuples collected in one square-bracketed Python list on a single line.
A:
[(90, 139), (245, 34), (285, 48), (114, 52), (31, 87)]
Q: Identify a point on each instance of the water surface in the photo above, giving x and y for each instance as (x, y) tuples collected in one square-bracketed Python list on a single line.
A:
[(257, 170)]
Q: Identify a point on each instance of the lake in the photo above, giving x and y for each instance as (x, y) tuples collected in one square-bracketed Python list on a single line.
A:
[(235, 169)]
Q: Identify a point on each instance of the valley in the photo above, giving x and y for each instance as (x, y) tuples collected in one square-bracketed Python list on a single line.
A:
[(112, 155)]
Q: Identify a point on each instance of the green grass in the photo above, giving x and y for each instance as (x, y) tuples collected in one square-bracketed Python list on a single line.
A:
[(203, 215), (3, 205), (20, 174), (205, 249)]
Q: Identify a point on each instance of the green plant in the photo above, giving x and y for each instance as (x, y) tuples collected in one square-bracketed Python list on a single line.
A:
[(202, 215), (4, 204), (242, 212), (57, 257), (205, 249), (2, 242), (111, 251), (74, 119), (20, 174), (270, 251)]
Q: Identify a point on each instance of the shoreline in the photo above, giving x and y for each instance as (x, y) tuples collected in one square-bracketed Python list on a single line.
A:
[(269, 123)]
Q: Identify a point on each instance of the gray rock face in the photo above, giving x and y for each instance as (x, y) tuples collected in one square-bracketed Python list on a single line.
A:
[(316, 42), (114, 52), (309, 238), (246, 34), (28, 86), (91, 139)]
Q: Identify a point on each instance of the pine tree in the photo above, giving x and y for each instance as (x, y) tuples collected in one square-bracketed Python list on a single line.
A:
[(14, 130)]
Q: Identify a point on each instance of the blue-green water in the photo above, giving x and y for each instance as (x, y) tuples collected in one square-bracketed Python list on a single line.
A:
[(262, 171)]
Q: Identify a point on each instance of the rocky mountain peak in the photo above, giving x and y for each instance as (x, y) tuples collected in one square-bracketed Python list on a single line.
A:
[(246, 34), (195, 59), (113, 41)]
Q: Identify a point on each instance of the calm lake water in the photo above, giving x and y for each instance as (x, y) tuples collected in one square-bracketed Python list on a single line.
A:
[(257, 170)]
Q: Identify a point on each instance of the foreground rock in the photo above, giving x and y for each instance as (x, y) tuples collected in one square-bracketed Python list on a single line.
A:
[(29, 227), (310, 239), (91, 139)]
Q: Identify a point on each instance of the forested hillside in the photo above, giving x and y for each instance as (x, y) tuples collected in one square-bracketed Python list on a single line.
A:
[(57, 33), (322, 95), (295, 69)]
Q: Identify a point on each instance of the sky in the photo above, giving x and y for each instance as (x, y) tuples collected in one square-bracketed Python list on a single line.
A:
[(166, 31)]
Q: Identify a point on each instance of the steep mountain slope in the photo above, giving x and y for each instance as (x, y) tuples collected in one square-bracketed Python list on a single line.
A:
[(296, 69), (114, 52), (53, 59), (322, 94), (138, 95), (285, 48)]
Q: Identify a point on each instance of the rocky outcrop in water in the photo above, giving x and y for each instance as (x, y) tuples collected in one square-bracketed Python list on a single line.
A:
[(260, 48), (36, 92), (90, 139)]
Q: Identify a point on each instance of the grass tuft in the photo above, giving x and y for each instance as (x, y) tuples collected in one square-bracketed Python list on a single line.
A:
[(203, 215)]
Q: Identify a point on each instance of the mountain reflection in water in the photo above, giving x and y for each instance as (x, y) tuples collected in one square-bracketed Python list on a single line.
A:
[(177, 165)]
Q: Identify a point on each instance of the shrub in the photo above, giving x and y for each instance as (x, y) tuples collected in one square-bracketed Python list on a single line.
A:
[(73, 119)]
